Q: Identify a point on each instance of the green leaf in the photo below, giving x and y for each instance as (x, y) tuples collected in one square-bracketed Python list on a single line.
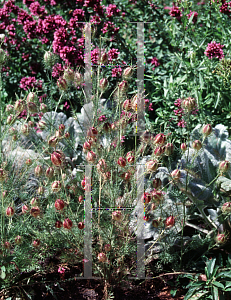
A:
[(224, 274), (3, 272), (210, 267), (173, 292), (229, 261), (202, 43), (218, 284), (206, 272), (190, 20), (190, 293), (215, 293), (215, 271), (201, 80), (218, 98), (182, 79)]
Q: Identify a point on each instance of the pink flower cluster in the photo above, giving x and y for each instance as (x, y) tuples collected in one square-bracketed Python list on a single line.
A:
[(37, 10), (102, 118), (66, 106), (78, 16), (57, 71), (95, 20), (225, 8), (112, 10), (47, 28), (175, 13), (27, 83), (95, 56), (10, 7), (116, 72), (154, 61), (11, 30), (113, 54), (65, 48), (214, 50), (146, 101)]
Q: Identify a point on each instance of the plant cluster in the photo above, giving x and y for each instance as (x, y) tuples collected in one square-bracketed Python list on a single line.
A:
[(169, 185)]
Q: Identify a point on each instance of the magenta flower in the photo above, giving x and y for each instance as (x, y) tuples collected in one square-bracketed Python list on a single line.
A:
[(23, 114), (27, 83), (102, 118), (113, 54), (25, 56), (37, 10), (61, 270), (225, 8), (150, 107), (57, 70), (112, 10), (95, 20), (175, 13), (155, 62), (95, 56), (66, 106), (116, 72), (214, 50)]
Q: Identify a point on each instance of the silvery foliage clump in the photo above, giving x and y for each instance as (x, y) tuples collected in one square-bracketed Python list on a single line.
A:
[(26, 146), (204, 166), (77, 127), (155, 237), (198, 169)]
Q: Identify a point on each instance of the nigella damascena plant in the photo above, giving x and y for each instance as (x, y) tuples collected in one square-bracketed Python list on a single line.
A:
[(3, 175), (69, 75), (224, 166), (189, 104), (19, 105), (127, 73), (207, 129), (49, 59), (169, 222), (103, 84), (58, 158), (31, 97), (62, 84)]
